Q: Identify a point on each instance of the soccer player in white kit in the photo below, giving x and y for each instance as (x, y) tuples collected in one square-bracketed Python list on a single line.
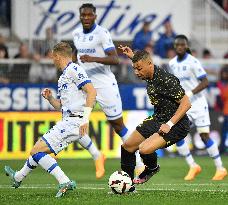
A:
[(193, 79), (77, 97), (95, 53)]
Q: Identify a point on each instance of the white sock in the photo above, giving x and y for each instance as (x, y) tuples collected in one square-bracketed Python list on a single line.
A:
[(124, 135), (213, 152), (88, 144), (139, 162), (51, 166), (184, 151), (30, 164)]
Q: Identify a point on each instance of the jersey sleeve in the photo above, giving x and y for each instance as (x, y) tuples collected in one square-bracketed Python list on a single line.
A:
[(106, 41), (198, 70), (79, 76)]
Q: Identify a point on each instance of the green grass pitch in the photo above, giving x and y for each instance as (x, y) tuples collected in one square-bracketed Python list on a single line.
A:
[(165, 188)]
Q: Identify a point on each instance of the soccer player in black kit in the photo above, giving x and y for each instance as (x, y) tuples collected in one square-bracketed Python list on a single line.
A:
[(165, 127)]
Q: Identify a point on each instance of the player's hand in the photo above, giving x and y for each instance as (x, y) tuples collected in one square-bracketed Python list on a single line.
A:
[(86, 58), (164, 128), (83, 130), (127, 51), (46, 93)]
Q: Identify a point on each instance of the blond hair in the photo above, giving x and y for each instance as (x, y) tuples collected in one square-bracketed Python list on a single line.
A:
[(63, 48)]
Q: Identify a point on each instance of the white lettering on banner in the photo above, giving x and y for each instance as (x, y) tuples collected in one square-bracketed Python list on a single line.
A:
[(24, 99), (19, 99), (142, 99), (33, 98), (122, 18), (5, 100)]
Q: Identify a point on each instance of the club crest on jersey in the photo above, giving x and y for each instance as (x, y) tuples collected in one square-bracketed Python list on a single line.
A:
[(64, 86), (81, 76), (90, 38)]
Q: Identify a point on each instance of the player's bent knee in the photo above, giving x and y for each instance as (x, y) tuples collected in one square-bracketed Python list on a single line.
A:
[(127, 146), (33, 151), (145, 149)]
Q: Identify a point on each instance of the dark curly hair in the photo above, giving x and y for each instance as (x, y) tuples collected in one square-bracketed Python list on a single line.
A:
[(87, 5), (140, 55)]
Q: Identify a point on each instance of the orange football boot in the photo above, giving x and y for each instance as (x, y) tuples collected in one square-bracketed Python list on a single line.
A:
[(192, 173), (220, 174)]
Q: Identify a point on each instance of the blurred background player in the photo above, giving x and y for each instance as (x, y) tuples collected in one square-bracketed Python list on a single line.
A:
[(169, 122), (193, 78), (76, 104), (222, 103), (95, 53), (143, 38)]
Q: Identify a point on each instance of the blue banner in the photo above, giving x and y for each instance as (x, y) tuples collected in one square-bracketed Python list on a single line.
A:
[(26, 97)]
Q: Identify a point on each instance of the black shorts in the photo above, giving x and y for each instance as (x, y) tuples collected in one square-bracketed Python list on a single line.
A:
[(178, 132)]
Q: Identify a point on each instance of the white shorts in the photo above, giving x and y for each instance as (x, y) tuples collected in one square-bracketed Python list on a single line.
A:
[(62, 134), (199, 115), (110, 101)]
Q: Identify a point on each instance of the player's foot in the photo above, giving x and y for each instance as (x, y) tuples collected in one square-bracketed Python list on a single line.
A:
[(192, 173), (139, 170), (99, 163), (63, 188), (220, 174), (146, 175), (11, 173)]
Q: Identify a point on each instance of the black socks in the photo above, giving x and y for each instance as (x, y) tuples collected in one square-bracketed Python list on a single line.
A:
[(128, 162), (150, 160)]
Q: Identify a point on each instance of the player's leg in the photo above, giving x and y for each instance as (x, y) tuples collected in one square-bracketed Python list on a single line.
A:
[(149, 129), (212, 149), (194, 168), (58, 138), (98, 157), (124, 134), (203, 128), (40, 155), (147, 151), (128, 148), (110, 102), (49, 164), (183, 150)]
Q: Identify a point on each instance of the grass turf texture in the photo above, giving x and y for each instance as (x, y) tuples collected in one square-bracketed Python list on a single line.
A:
[(165, 188)]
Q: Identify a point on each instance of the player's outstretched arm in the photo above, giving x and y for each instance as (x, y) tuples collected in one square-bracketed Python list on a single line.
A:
[(90, 101), (201, 86), (47, 94), (184, 106), (127, 51)]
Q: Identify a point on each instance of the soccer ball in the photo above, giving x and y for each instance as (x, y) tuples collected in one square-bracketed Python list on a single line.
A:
[(120, 182)]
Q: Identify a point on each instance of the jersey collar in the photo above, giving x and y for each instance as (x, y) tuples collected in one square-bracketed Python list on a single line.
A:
[(66, 66), (185, 56), (85, 31)]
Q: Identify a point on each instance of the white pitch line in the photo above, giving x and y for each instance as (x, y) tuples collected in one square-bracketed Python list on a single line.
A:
[(163, 184), (103, 188), (102, 185)]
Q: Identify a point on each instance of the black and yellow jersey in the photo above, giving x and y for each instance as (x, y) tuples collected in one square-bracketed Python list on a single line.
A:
[(164, 91)]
